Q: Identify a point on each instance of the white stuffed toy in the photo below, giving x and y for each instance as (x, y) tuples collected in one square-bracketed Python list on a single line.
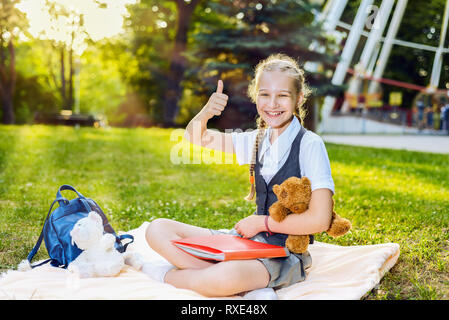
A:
[(99, 257)]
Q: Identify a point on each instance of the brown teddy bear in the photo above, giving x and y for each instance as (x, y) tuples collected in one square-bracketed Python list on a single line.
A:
[(294, 195)]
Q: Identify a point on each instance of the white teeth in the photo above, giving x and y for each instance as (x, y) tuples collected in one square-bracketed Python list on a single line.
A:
[(274, 113)]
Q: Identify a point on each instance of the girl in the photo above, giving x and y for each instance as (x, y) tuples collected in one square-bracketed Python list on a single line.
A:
[(280, 148)]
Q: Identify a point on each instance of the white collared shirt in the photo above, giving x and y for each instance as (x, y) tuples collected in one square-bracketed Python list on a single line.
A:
[(313, 158)]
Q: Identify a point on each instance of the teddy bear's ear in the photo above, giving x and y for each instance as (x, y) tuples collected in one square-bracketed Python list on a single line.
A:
[(72, 234), (95, 216), (276, 189), (305, 181)]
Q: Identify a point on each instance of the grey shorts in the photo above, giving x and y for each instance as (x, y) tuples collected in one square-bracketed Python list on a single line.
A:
[(283, 271)]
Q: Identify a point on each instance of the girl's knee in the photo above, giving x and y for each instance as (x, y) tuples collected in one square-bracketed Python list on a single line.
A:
[(155, 229), (159, 223), (217, 286)]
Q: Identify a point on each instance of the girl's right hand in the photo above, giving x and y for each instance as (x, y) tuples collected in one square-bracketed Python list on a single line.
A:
[(217, 102)]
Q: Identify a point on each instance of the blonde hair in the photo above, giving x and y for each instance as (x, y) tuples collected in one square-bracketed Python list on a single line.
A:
[(282, 63)]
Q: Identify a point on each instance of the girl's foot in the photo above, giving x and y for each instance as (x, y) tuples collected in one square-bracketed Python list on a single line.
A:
[(156, 270), (261, 294)]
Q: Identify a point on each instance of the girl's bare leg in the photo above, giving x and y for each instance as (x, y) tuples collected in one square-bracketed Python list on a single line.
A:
[(221, 279), (159, 234)]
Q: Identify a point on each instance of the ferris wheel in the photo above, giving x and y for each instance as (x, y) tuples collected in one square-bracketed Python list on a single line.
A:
[(375, 54)]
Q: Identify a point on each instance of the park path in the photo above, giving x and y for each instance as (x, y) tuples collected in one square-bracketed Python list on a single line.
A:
[(423, 143)]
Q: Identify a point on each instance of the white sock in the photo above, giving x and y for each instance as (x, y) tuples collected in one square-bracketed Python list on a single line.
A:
[(156, 270), (261, 294)]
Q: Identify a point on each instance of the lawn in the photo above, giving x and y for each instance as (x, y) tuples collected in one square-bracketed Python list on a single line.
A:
[(389, 195)]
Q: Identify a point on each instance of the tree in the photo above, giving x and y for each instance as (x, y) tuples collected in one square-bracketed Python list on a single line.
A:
[(145, 53), (70, 27), (12, 21), (178, 60), (70, 34), (160, 33), (244, 32)]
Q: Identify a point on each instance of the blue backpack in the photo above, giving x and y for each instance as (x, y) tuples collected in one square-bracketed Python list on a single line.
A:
[(57, 227)]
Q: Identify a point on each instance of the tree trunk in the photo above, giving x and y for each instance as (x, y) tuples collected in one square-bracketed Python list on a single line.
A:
[(63, 87), (8, 109), (7, 84), (70, 97), (178, 62)]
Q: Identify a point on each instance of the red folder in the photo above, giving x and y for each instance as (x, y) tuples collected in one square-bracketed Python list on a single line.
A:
[(223, 247)]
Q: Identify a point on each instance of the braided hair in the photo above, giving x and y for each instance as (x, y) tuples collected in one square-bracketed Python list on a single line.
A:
[(261, 126), (283, 63)]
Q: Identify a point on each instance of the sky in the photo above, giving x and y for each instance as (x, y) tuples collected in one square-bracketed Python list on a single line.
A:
[(99, 23)]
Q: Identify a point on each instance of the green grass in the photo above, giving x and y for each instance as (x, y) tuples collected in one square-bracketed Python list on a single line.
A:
[(389, 195)]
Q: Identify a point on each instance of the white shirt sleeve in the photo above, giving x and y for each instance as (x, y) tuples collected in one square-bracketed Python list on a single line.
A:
[(314, 162), (243, 145)]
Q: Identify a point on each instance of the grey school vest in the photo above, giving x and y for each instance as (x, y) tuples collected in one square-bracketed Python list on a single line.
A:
[(265, 196)]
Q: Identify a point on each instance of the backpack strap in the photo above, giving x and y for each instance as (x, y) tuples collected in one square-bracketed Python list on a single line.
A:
[(126, 236), (59, 197), (41, 237), (41, 263)]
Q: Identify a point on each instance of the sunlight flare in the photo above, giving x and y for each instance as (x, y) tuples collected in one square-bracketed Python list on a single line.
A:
[(100, 19)]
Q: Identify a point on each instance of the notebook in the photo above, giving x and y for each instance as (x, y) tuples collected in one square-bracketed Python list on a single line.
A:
[(223, 247)]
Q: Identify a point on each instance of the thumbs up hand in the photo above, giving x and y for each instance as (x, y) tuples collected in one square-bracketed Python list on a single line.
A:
[(216, 103)]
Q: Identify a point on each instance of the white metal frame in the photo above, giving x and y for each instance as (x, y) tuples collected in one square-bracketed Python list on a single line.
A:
[(331, 17)]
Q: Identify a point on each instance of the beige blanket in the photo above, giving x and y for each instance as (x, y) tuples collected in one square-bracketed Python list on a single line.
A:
[(337, 272)]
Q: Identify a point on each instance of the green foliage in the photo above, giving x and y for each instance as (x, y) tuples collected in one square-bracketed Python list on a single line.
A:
[(40, 59), (30, 98), (150, 33), (100, 84), (35, 92), (12, 20), (97, 89)]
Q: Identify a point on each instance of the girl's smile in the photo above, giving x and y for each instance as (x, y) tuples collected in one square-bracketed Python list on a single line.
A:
[(274, 114)]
